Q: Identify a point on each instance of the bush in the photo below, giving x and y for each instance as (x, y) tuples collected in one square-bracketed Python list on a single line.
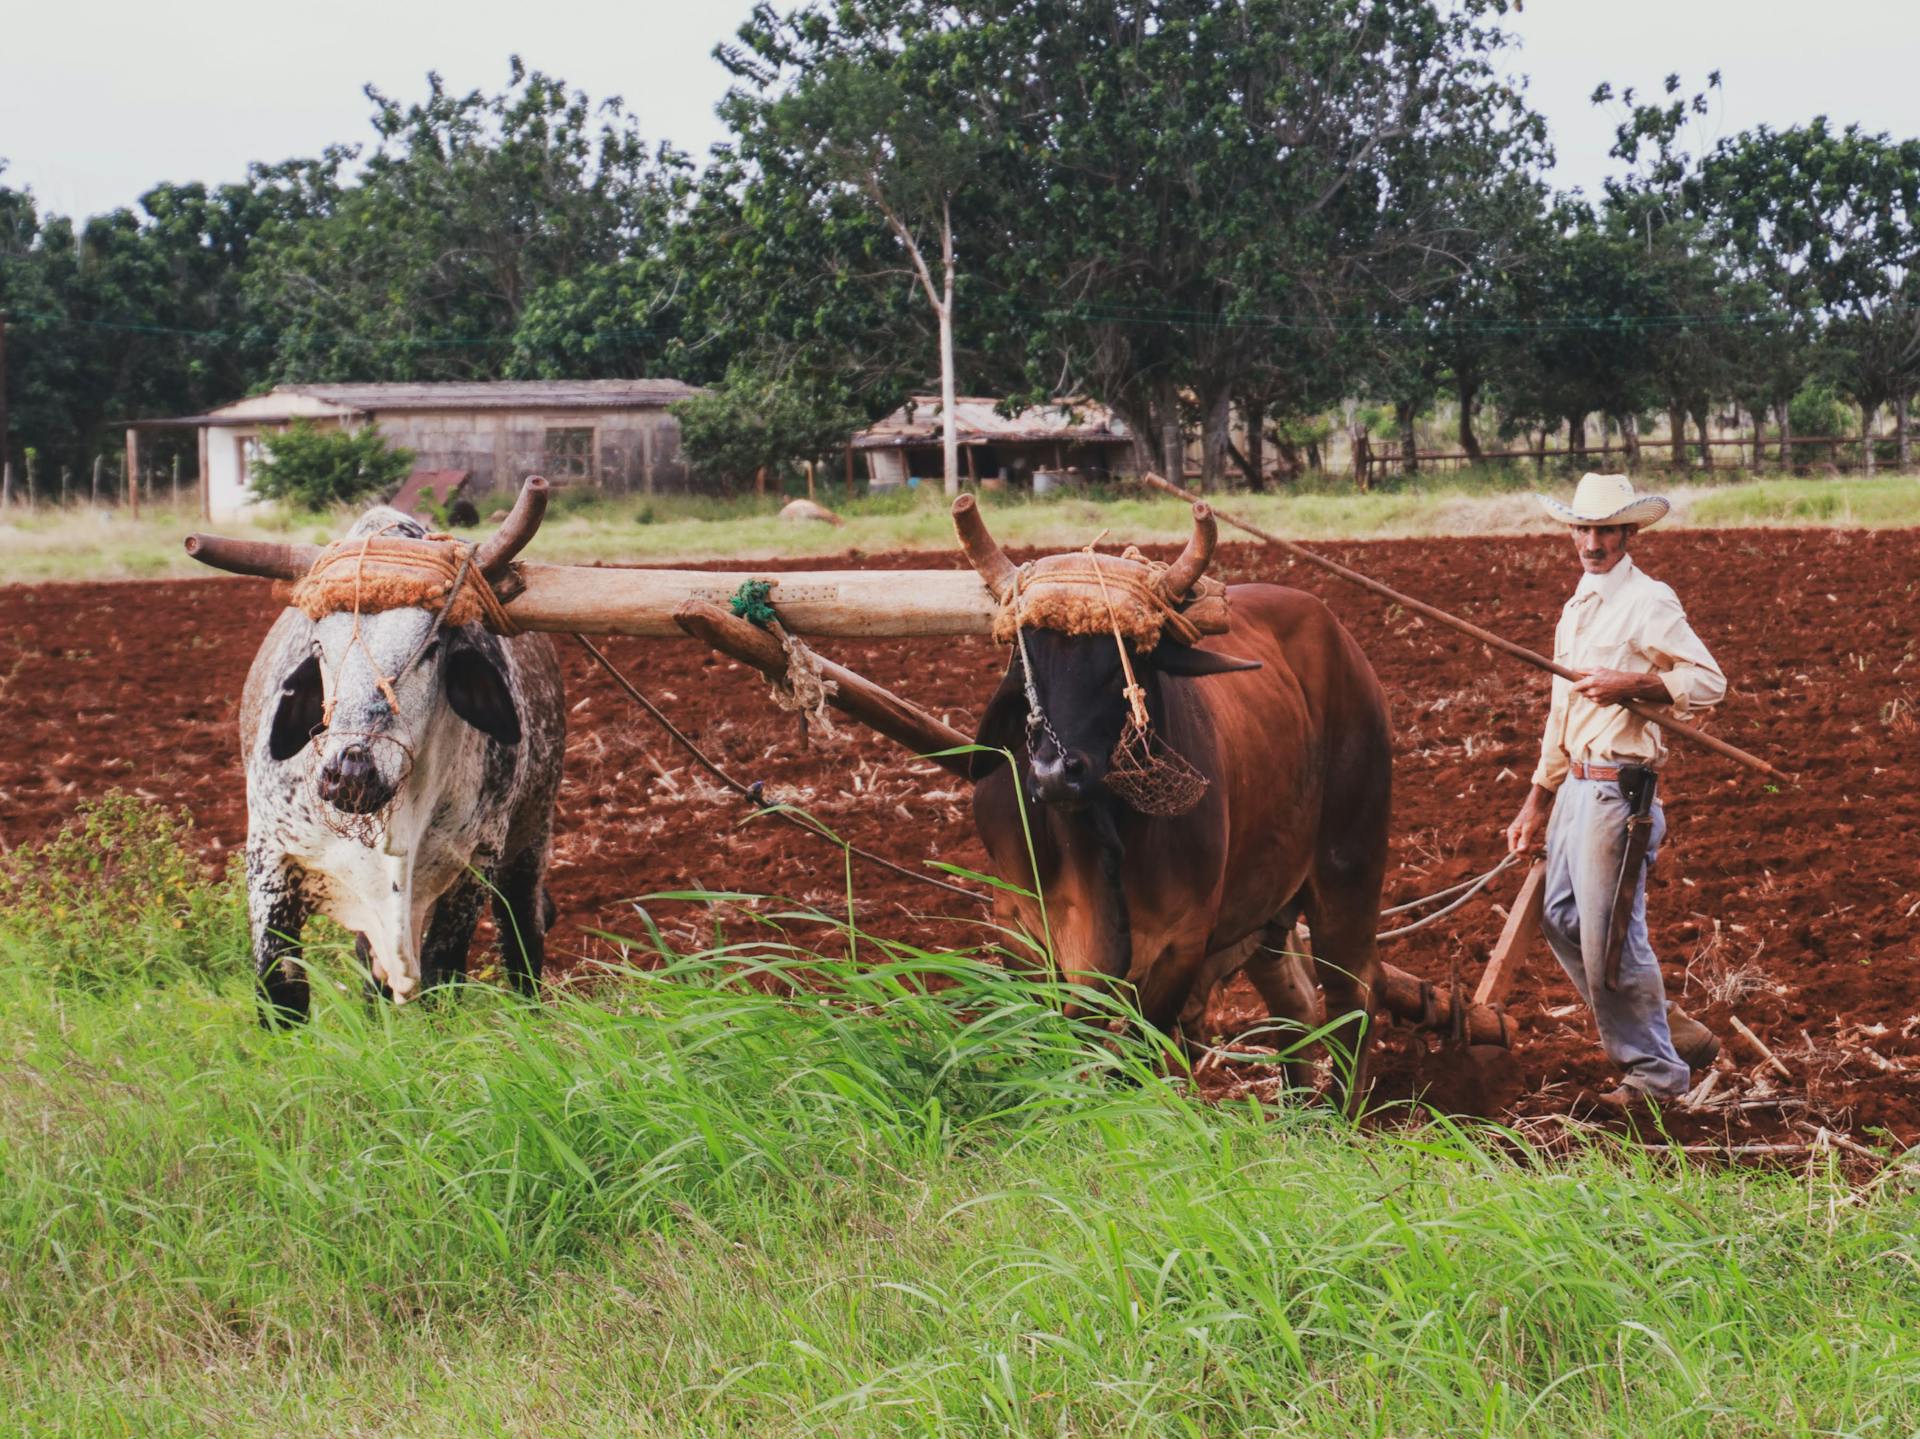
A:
[(1818, 410), (751, 422), (316, 469), (119, 896)]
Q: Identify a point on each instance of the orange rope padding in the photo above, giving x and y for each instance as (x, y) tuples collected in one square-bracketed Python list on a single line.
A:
[(1058, 594), (380, 572)]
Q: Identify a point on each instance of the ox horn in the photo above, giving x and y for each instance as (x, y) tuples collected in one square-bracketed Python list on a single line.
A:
[(982, 550), (1185, 572), (269, 559), (516, 531)]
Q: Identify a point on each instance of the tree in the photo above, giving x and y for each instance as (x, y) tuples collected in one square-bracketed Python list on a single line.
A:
[(750, 424), (865, 104), (1832, 220), (317, 469), (467, 209)]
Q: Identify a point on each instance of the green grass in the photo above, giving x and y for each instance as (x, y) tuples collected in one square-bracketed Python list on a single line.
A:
[(703, 1201), (81, 544)]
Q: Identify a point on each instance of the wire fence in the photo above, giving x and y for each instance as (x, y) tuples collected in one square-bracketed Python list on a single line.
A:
[(1806, 454)]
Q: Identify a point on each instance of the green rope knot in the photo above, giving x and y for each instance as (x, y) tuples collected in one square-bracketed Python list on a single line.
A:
[(750, 602)]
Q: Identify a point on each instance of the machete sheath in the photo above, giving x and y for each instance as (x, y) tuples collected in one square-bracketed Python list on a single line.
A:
[(1637, 783)]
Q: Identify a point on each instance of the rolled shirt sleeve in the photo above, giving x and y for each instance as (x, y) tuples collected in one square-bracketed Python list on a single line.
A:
[(1690, 673)]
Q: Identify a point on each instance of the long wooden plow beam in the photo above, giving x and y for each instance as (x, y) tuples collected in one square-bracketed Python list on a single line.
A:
[(855, 696), (1486, 637)]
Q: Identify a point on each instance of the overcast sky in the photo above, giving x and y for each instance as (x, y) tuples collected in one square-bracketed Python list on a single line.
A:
[(99, 101)]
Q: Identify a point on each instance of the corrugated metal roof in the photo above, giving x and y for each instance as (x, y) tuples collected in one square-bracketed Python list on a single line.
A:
[(917, 422), (287, 401)]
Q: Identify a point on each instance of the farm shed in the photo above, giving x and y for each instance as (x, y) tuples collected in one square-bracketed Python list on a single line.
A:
[(617, 434), (1065, 435)]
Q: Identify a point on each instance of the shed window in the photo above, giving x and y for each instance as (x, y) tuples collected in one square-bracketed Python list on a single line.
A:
[(569, 454)]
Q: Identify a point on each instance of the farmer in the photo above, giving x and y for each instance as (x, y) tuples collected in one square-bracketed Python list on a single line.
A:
[(1627, 636)]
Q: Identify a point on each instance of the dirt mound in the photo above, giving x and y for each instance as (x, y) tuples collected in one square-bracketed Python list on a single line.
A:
[(1798, 909)]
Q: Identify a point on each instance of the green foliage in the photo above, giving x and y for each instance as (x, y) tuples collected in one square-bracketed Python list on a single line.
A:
[(1818, 410), (750, 422), (759, 1191), (316, 468), (118, 897)]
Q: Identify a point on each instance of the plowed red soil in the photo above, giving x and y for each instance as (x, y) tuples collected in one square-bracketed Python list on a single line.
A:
[(1797, 909)]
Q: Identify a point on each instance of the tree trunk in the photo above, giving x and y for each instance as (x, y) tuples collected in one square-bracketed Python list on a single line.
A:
[(1677, 432), (1630, 439), (1315, 462), (1540, 451), (1866, 437), (1403, 412), (1905, 449), (1217, 416), (1255, 415), (1468, 394), (1173, 457), (1577, 434), (1362, 457), (1706, 449), (1783, 408)]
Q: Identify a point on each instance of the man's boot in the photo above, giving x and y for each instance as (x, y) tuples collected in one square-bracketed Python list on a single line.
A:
[(1697, 1045)]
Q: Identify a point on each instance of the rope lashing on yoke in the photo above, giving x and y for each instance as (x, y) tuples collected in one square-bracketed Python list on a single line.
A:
[(805, 690)]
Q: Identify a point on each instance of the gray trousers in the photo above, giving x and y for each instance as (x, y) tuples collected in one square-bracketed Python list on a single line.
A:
[(1585, 840)]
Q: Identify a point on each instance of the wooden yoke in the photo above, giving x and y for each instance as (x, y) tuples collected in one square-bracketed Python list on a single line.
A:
[(854, 696)]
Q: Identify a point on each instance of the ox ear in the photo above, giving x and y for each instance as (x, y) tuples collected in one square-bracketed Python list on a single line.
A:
[(478, 693), (298, 712), (1185, 660)]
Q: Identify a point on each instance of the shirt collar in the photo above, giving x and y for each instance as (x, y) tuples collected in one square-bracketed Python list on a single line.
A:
[(1608, 585)]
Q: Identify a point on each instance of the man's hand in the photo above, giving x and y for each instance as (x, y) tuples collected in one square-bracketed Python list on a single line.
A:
[(1612, 687), (1529, 827)]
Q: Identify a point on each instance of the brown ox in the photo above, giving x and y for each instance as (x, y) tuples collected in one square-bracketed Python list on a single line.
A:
[(1291, 732)]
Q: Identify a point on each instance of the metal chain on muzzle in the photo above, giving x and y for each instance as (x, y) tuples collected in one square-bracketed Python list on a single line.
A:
[(1036, 716)]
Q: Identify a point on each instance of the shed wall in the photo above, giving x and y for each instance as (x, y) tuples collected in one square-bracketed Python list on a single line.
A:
[(633, 449)]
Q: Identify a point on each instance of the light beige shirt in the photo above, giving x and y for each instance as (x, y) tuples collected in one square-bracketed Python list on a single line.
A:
[(1622, 620)]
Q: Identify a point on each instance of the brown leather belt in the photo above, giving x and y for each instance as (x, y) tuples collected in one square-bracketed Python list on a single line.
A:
[(1581, 770)]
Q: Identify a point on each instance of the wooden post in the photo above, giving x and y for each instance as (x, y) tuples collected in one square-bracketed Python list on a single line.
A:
[(176, 481), (973, 477), (206, 484), (6, 484), (809, 479), (33, 475), (849, 471), (1522, 929), (133, 471), (66, 474)]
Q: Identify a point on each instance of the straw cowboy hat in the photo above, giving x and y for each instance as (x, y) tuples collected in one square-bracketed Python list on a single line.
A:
[(1606, 500)]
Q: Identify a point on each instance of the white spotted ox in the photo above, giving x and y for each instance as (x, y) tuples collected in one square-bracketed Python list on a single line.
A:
[(401, 769)]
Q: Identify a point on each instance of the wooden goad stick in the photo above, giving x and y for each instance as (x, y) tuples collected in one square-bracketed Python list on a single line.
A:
[(1486, 637)]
